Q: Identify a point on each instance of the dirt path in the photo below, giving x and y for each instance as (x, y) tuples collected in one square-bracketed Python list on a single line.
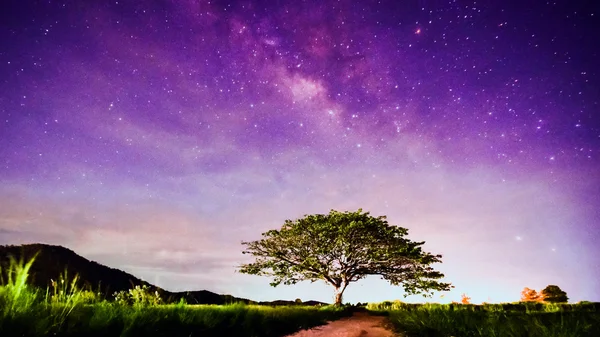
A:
[(358, 325)]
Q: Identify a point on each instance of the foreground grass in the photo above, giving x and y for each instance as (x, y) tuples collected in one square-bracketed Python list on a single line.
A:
[(65, 310), (494, 320), (108, 319)]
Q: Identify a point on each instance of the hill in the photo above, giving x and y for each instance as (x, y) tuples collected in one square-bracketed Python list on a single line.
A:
[(52, 261)]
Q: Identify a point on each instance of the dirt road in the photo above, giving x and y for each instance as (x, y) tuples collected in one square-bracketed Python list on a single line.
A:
[(358, 325)]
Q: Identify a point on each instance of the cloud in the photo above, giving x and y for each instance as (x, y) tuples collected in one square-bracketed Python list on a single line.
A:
[(197, 223), (117, 233)]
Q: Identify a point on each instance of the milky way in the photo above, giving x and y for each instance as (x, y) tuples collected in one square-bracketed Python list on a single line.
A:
[(155, 136)]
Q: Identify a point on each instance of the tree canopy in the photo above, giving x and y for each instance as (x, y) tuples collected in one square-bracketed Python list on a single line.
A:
[(530, 295), (554, 294), (343, 247)]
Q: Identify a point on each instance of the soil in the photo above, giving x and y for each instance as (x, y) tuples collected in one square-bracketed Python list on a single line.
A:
[(358, 325)]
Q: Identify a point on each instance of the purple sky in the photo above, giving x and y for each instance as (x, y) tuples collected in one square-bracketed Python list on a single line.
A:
[(155, 136)]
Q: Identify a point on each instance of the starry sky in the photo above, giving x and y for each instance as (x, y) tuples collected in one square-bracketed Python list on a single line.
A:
[(156, 135)]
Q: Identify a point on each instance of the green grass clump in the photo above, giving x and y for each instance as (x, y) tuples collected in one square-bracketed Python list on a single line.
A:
[(67, 310), (15, 294), (494, 320)]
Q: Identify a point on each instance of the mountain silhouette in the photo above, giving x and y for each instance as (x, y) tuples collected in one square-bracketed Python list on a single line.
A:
[(52, 261)]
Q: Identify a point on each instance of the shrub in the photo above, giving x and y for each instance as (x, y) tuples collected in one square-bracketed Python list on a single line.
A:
[(138, 296)]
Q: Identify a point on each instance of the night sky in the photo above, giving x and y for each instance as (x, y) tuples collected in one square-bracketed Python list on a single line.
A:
[(155, 136)]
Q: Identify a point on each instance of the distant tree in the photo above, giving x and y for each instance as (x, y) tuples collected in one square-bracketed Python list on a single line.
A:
[(299, 301), (530, 295), (341, 248), (464, 299), (554, 294)]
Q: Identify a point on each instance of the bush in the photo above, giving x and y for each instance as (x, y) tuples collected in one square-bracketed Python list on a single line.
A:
[(138, 296)]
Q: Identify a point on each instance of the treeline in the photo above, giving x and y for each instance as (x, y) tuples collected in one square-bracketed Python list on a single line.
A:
[(583, 306), (550, 294)]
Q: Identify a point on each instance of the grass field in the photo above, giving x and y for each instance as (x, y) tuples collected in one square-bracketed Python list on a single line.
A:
[(65, 310), (494, 320)]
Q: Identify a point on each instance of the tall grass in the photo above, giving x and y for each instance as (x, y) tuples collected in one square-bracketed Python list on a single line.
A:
[(15, 295), (68, 310), (507, 320)]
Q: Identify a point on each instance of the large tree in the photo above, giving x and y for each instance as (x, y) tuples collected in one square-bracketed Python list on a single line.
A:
[(554, 294), (340, 248)]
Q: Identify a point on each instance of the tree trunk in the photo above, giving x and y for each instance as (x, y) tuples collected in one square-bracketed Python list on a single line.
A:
[(338, 297), (339, 292)]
